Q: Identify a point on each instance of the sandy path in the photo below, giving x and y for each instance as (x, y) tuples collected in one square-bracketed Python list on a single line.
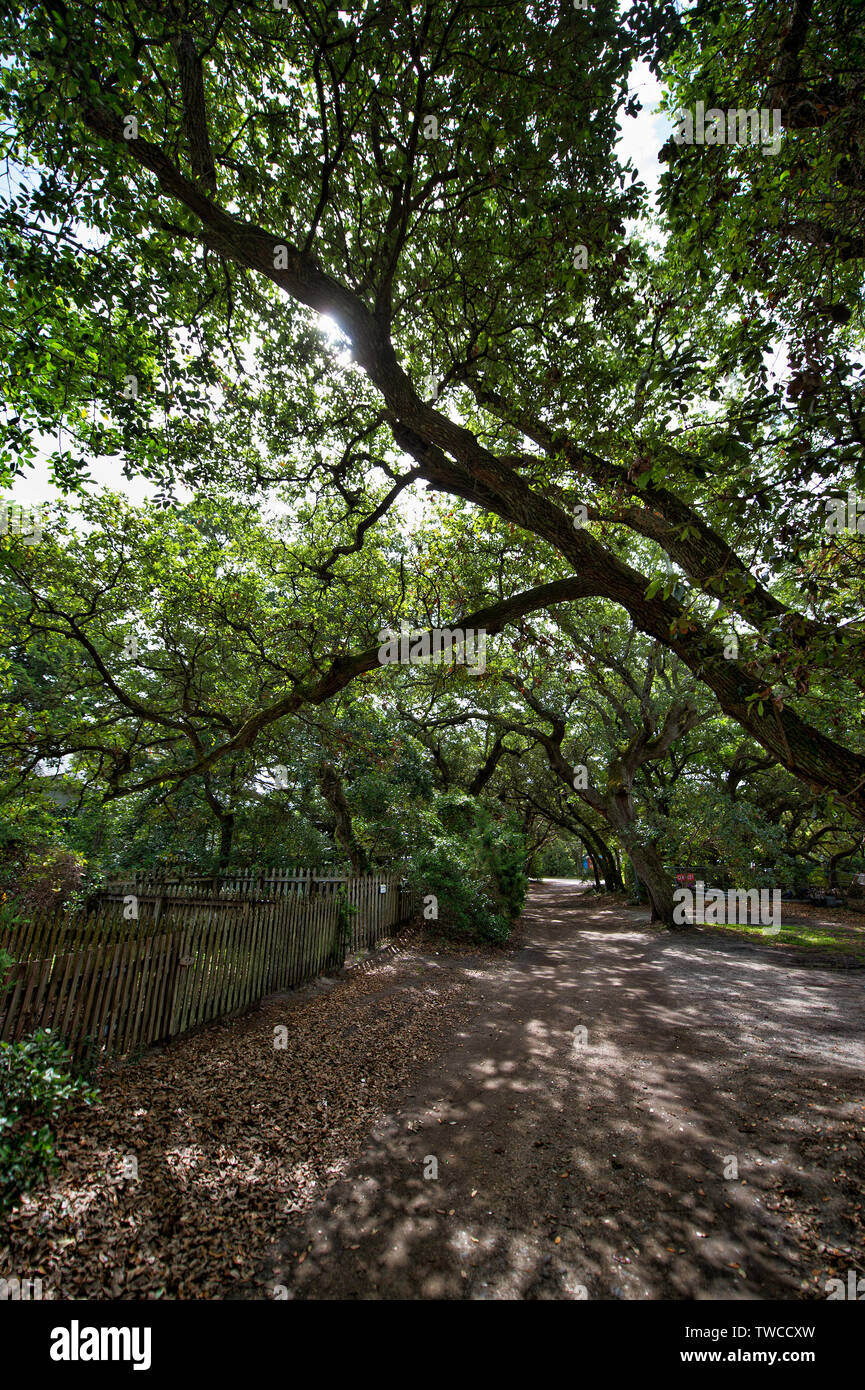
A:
[(565, 1167), (561, 1167)]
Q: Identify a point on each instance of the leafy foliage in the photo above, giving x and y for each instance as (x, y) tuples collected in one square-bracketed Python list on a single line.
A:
[(36, 1086), (313, 276)]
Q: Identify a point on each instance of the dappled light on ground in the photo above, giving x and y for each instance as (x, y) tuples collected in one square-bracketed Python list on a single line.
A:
[(601, 1163), (613, 1111)]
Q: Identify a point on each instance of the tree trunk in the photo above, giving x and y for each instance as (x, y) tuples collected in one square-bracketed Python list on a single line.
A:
[(837, 859), (612, 876), (343, 829), (225, 820), (647, 863), (226, 838), (600, 853)]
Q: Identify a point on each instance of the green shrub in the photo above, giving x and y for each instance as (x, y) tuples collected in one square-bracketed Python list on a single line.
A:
[(557, 861), (466, 910), (504, 850), (35, 1087), (474, 866), (345, 915), (38, 877)]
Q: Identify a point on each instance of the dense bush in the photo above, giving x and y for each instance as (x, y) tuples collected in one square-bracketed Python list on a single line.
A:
[(465, 907), (40, 876), (474, 866), (504, 853), (35, 1087)]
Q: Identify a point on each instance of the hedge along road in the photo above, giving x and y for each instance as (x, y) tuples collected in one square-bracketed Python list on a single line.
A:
[(603, 1163)]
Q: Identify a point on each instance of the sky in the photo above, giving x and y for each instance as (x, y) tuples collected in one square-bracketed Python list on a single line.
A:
[(643, 135)]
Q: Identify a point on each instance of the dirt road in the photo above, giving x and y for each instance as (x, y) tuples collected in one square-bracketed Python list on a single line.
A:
[(600, 1161), (701, 1138)]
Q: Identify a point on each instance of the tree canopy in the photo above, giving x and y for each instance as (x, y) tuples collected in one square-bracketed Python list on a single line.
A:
[(376, 307)]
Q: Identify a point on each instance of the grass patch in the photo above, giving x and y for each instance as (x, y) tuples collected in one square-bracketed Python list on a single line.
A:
[(809, 932)]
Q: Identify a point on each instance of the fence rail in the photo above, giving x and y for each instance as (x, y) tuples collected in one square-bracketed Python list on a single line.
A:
[(234, 883), (110, 985)]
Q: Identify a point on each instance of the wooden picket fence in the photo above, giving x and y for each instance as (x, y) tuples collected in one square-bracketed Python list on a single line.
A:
[(110, 984)]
